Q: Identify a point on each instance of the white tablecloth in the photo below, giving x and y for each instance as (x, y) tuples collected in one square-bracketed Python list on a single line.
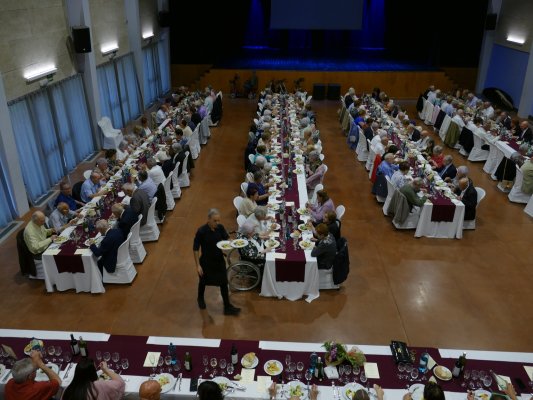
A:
[(448, 230)]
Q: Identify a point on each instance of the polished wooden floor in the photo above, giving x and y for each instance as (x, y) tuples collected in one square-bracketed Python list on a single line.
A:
[(474, 293)]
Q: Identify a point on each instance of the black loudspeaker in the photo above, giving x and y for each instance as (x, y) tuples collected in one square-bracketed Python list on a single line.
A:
[(163, 19), (334, 91), (81, 35), (319, 91), (490, 22)]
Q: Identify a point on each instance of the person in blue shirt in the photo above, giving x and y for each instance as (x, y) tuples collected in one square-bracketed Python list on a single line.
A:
[(91, 187), (147, 185), (387, 166), (65, 196)]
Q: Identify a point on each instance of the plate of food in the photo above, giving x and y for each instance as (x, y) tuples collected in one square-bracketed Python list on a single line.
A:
[(297, 389), (249, 360), (273, 207), (275, 227), (275, 179), (272, 243), (224, 245), (303, 211), (349, 390), (443, 373), (482, 394), (239, 243), (296, 234), (89, 241), (40, 376), (417, 391), (304, 228), (306, 244), (223, 383), (298, 171), (273, 367), (166, 381), (35, 344), (60, 239), (299, 160)]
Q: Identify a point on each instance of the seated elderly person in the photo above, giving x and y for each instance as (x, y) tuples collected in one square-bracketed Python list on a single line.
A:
[(23, 384), (400, 178), (325, 247), (146, 129), (107, 251), (259, 220), (147, 185), (249, 204), (262, 189), (423, 142), (265, 140), (437, 159), (91, 187), (387, 166), (139, 202), (65, 196), (187, 131), (468, 195), (381, 146), (428, 151), (36, 236), (122, 151), (410, 191), (314, 170), (150, 390), (161, 115), (413, 133), (462, 172), (155, 172), (324, 204), (255, 250), (125, 217), (102, 166), (448, 170), (62, 217)]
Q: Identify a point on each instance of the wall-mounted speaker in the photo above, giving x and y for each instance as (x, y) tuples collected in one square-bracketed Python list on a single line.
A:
[(81, 35), (490, 22), (163, 19)]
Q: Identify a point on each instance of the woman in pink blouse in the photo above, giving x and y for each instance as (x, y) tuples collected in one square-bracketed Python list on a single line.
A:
[(324, 204), (86, 385)]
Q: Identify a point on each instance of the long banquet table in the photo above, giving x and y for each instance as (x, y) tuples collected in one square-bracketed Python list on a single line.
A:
[(134, 348)]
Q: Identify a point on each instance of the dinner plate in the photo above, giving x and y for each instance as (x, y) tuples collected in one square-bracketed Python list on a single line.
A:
[(417, 391), (275, 226), (166, 381), (60, 239), (275, 179), (306, 244), (88, 242), (442, 373), (303, 211), (482, 394), (103, 376), (40, 376), (296, 235), (272, 243), (247, 364), (273, 367), (121, 194), (304, 228), (239, 243), (298, 171), (35, 344), (296, 388), (224, 245), (349, 390), (273, 207), (223, 382)]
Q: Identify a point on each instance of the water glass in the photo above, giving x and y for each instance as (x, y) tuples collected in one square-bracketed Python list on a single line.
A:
[(67, 356), (287, 359), (414, 374), (115, 357), (205, 362), (106, 356), (58, 351), (177, 366), (347, 372), (308, 376), (487, 381), (363, 377), (230, 369), (401, 367), (466, 374), (475, 375), (125, 364)]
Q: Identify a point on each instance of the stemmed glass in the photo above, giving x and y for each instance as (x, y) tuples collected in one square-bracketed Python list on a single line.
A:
[(160, 363), (177, 366), (300, 368), (116, 358), (51, 352), (292, 368), (487, 381), (466, 375), (223, 365), (356, 370), (287, 360), (168, 361), (98, 356), (347, 372), (363, 377), (213, 362), (414, 374), (341, 372), (125, 364), (230, 369), (205, 361), (58, 352), (308, 376)]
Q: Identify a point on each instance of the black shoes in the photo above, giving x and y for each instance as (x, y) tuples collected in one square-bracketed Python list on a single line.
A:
[(231, 310), (201, 304)]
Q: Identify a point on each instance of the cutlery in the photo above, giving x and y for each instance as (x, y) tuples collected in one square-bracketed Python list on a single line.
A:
[(67, 371), (181, 378), (7, 376), (237, 386), (174, 386)]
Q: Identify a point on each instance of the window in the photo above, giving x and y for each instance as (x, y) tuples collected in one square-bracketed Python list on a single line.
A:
[(164, 65), (152, 83), (8, 210)]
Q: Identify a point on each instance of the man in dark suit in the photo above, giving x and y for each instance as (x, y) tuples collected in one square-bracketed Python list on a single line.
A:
[(525, 134), (139, 202), (349, 98), (469, 198), (370, 131), (125, 216), (107, 251), (180, 157), (414, 134), (448, 170)]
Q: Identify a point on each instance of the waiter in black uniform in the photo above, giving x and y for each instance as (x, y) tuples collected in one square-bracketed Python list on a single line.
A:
[(211, 266)]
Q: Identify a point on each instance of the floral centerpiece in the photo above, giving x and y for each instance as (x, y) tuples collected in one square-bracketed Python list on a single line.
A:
[(337, 353)]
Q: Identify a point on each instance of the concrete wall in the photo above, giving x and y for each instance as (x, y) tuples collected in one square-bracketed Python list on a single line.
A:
[(148, 14), (515, 19)]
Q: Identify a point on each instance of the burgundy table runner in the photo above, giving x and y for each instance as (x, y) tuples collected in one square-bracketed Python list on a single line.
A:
[(443, 209)]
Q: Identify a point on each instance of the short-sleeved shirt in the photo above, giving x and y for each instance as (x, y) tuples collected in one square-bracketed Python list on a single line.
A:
[(110, 390), (31, 390), (212, 258), (88, 188)]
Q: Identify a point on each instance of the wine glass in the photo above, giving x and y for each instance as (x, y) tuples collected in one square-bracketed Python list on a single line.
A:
[(125, 364), (414, 374), (168, 361), (308, 376), (98, 356), (214, 362), (160, 363), (115, 357), (106, 356), (205, 361), (487, 381), (287, 359), (300, 368), (51, 351), (347, 372), (223, 364), (292, 368), (363, 377), (177, 366), (341, 372), (67, 356), (230, 369)]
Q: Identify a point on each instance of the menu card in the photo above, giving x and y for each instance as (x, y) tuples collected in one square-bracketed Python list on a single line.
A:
[(247, 375), (152, 357), (371, 370), (529, 371), (263, 383), (83, 252), (280, 256)]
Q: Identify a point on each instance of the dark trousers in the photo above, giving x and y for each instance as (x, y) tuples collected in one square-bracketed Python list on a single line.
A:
[(223, 292)]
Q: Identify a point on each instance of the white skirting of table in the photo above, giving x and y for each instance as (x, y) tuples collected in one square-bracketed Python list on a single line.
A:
[(447, 230)]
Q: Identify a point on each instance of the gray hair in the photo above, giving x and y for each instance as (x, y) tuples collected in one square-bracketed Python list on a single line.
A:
[(260, 161), (101, 161), (447, 157), (96, 174), (260, 212), (151, 162), (36, 215), (267, 167), (437, 149), (128, 186), (101, 224), (177, 147), (117, 207), (247, 228), (523, 148), (212, 212), (463, 169), (417, 182), (267, 118), (22, 369), (389, 156), (314, 155), (122, 145), (382, 133), (304, 122), (374, 126)]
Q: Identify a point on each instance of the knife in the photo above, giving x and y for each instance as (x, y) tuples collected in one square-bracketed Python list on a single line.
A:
[(181, 378), (7, 376), (174, 386), (67, 371)]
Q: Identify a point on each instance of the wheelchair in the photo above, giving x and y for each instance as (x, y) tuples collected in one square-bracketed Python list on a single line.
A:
[(242, 274)]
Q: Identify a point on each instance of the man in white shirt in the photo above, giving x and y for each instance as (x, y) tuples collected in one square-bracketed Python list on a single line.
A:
[(488, 110), (155, 172), (471, 100), (161, 114), (379, 148), (61, 217), (377, 138), (458, 118)]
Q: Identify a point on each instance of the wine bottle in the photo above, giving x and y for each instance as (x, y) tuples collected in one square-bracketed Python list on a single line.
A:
[(74, 345), (423, 365), (188, 361), (172, 352), (459, 365), (319, 371), (234, 354), (84, 352)]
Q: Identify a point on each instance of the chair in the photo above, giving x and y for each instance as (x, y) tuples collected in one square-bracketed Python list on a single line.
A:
[(390, 192), (340, 210), (194, 143), (529, 207), (478, 153), (112, 137), (237, 202), (361, 149), (256, 122), (125, 271), (183, 179), (137, 250), (176, 190), (399, 209), (251, 157), (76, 190), (321, 156), (170, 198), (516, 195), (87, 173), (149, 232), (480, 196), (241, 219), (324, 174), (371, 156), (204, 133), (325, 279), (244, 188), (317, 188)]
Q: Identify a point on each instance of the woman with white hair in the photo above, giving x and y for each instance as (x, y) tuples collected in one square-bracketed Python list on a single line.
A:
[(255, 250), (315, 170)]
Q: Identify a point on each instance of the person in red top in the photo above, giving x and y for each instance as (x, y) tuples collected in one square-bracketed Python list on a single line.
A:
[(23, 386)]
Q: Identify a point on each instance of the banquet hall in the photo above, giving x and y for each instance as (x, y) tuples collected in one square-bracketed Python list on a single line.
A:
[(67, 64)]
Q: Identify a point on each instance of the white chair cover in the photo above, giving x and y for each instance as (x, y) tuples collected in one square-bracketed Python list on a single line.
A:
[(87, 173), (204, 132), (241, 219), (39, 270), (477, 153), (529, 207), (244, 188), (317, 188), (194, 143), (371, 156), (494, 159), (183, 179), (112, 137), (237, 202), (321, 156), (150, 232), (480, 196), (390, 192), (361, 150), (325, 279), (429, 114), (251, 157), (324, 174), (444, 127), (516, 195), (340, 211), (170, 198), (137, 250), (176, 190), (125, 271)]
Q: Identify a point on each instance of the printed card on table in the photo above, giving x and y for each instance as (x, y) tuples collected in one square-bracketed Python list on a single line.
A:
[(280, 256), (152, 357), (371, 370), (248, 375), (529, 371), (263, 383), (431, 362)]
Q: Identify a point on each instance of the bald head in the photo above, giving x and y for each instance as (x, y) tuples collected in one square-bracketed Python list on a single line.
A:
[(38, 218), (63, 208), (463, 183), (150, 390)]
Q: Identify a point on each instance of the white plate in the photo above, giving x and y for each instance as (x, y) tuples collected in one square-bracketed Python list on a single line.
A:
[(482, 394), (417, 391), (239, 243), (61, 239), (349, 390), (2, 369), (40, 376), (121, 194), (224, 245), (272, 243), (275, 226), (250, 366), (273, 207), (443, 373), (303, 211), (88, 242), (306, 244), (298, 171), (273, 367), (293, 386), (221, 381), (304, 228), (102, 376), (166, 381), (295, 235)]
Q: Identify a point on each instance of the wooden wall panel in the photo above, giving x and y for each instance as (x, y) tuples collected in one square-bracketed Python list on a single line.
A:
[(187, 74)]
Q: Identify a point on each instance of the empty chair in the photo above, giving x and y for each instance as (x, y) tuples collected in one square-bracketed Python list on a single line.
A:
[(149, 232), (251, 157), (317, 188), (361, 150), (183, 179), (112, 136), (516, 195), (176, 190), (390, 192), (137, 250), (241, 219), (371, 156), (204, 133), (194, 143), (170, 198), (340, 210), (237, 202), (471, 224), (125, 271), (478, 153), (244, 188)]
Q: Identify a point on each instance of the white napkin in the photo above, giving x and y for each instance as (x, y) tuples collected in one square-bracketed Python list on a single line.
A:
[(52, 252), (371, 370), (279, 256), (83, 252), (529, 371), (331, 372)]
